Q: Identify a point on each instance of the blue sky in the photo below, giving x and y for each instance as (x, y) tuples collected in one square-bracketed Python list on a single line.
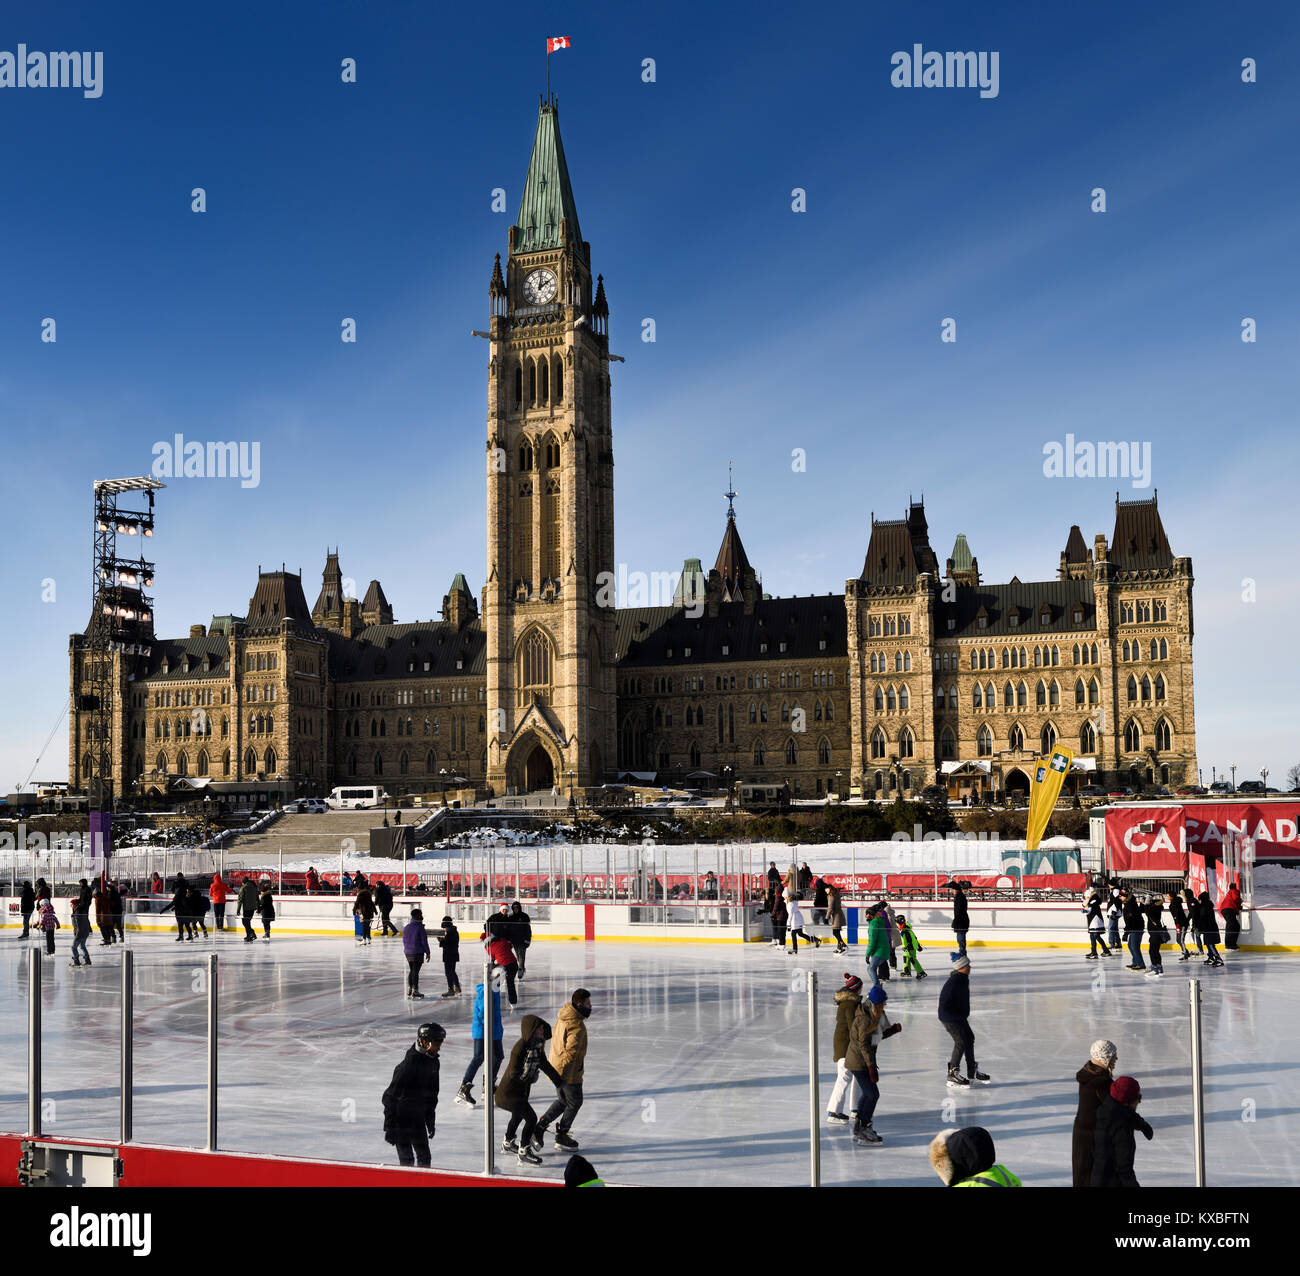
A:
[(775, 330)]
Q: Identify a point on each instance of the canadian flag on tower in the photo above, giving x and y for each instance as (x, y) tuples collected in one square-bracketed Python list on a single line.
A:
[(557, 42)]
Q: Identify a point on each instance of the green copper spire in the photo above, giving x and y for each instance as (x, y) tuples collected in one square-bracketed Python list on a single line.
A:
[(548, 196), (961, 556)]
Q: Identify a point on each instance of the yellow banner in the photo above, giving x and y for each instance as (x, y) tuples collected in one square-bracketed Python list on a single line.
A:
[(1049, 775)]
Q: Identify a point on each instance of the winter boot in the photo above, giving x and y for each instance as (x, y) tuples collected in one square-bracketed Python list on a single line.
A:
[(977, 1075), (866, 1136), (956, 1081), (837, 1118)]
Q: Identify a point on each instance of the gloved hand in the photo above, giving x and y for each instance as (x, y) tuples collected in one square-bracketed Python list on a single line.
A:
[(873, 1073), (893, 1028), (431, 1130)]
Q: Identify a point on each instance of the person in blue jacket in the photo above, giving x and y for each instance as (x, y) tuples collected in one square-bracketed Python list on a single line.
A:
[(463, 1095)]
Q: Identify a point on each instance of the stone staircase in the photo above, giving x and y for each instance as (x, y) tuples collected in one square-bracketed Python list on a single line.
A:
[(313, 837)]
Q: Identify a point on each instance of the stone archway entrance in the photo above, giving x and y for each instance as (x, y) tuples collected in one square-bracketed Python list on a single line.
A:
[(1017, 781), (539, 771)]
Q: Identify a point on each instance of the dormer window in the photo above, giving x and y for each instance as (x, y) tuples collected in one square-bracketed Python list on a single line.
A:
[(1013, 619), (668, 653), (726, 649), (762, 647), (952, 623), (981, 622), (686, 651), (1078, 616)]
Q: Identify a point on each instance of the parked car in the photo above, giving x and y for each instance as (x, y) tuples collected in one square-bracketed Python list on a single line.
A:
[(1190, 790), (1121, 792), (306, 806), (1251, 786), (1092, 791), (1221, 786)]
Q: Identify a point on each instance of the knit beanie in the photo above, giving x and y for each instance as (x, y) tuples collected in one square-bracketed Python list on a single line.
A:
[(877, 996), (1103, 1052), (962, 963), (1125, 1090), (852, 982)]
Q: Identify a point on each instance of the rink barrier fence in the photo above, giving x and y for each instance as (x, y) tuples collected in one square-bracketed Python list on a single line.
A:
[(152, 1165), (1001, 924)]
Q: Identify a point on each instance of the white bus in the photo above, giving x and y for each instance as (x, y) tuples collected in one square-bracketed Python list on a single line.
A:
[(354, 797)]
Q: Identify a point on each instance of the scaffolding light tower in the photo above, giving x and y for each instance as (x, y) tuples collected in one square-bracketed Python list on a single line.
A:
[(121, 618)]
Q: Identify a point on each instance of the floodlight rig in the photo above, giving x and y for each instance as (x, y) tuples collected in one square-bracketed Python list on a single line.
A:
[(121, 617)]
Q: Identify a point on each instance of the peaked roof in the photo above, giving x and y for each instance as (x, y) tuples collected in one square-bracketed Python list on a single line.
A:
[(1075, 549), (1139, 541), (374, 599), (548, 194), (961, 555), (278, 595), (899, 549), (732, 562), (458, 582)]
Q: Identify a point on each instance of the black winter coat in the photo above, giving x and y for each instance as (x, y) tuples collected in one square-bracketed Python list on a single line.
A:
[(960, 915), (819, 897), (954, 999), (383, 897), (411, 1099), (527, 1059), (1133, 917), (1204, 920), (450, 944), (1094, 1088), (1177, 913), (1114, 1143), (27, 900), (521, 928), (180, 903)]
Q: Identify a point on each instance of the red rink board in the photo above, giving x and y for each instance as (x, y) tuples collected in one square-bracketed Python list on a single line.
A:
[(1199, 827), (144, 1165)]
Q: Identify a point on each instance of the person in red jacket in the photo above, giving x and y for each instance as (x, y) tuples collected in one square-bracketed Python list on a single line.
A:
[(500, 951), (1231, 910), (313, 880), (217, 893)]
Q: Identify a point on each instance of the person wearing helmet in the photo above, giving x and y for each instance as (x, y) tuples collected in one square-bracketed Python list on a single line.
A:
[(411, 1100)]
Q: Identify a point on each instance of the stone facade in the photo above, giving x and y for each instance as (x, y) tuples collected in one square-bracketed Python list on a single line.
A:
[(916, 674)]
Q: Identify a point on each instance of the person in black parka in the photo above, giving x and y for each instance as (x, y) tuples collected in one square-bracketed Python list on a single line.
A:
[(180, 904), (383, 896), (1114, 1141), (1207, 928), (960, 917), (1134, 928), (27, 905), (1094, 1080), (449, 942), (411, 1100)]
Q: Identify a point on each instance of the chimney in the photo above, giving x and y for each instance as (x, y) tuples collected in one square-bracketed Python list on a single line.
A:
[(198, 631)]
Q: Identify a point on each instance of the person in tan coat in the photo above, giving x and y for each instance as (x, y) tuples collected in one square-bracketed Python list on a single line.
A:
[(568, 1054)]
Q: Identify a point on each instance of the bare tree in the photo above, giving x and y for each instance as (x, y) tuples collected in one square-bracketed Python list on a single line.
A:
[(1293, 776)]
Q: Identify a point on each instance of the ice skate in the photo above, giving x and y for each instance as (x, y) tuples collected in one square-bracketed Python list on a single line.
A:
[(977, 1075), (956, 1081), (509, 1145), (528, 1157), (837, 1118), (564, 1140), (539, 1139), (464, 1096), (920, 974), (446, 995), (1090, 957), (417, 996), (866, 1136)]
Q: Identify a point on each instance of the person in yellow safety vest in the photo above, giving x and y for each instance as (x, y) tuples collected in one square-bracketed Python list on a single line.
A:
[(966, 1158)]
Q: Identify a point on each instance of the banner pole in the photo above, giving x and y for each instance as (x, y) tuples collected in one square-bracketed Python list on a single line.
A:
[(814, 1097), (1198, 1081)]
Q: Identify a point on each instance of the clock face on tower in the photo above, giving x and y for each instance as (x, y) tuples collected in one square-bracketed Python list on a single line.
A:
[(540, 287)]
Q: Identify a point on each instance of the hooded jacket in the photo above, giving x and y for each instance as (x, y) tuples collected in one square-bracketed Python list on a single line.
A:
[(1204, 918), (383, 897), (779, 913), (835, 918), (846, 1004), (795, 915), (1094, 1085), (415, 940), (411, 1100), (877, 938), (476, 1029), (449, 942), (522, 925), (861, 1053), (247, 899), (363, 906), (217, 891), (954, 998), (266, 905), (960, 913), (527, 1059), (27, 900), (569, 1045), (964, 1158), (1133, 923)]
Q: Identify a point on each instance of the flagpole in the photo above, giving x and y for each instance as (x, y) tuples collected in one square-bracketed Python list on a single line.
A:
[(548, 72)]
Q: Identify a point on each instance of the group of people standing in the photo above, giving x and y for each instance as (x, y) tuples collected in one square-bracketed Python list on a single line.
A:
[(1107, 1122), (1192, 916)]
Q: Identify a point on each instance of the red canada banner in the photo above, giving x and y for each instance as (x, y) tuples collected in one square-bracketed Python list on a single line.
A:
[(1196, 874), (1158, 838)]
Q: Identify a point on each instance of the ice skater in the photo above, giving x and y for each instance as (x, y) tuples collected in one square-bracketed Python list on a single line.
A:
[(1207, 929), (568, 1054), (870, 1026), (1114, 1141), (521, 935), (48, 923), (80, 927), (891, 930), (911, 946), (27, 906), (449, 942), (1113, 910), (465, 1094), (954, 1014), (835, 918), (504, 956), (967, 1158), (1133, 930), (198, 907), (819, 902), (103, 916), (780, 915), (411, 1100), (960, 917), (116, 908), (363, 907), (383, 897), (266, 906), (247, 905), (1231, 910), (527, 1059), (877, 945), (1179, 914), (1156, 935), (1094, 1080), (795, 919), (217, 893), (846, 1089), (1189, 902), (180, 905), (1096, 926), (415, 947)]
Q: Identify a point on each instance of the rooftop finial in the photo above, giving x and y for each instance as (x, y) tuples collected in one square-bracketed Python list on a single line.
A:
[(731, 495)]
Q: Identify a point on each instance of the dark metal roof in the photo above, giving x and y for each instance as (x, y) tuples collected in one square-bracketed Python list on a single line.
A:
[(278, 595), (899, 549), (177, 650), (644, 635), (1075, 549), (961, 555), (732, 562), (1139, 541), (1025, 601), (374, 599), (386, 651)]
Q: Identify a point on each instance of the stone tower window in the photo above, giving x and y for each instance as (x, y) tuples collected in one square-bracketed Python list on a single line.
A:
[(535, 665)]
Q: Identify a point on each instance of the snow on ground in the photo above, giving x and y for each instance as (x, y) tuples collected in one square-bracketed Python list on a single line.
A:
[(697, 1072)]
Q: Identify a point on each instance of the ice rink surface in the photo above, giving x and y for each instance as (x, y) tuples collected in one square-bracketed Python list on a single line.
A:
[(696, 1072)]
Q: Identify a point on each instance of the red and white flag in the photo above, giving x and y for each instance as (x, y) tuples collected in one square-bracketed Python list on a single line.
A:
[(557, 42)]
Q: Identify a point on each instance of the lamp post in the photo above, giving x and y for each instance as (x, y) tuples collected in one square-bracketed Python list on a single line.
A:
[(207, 818), (442, 782), (839, 788), (726, 780), (572, 775), (1233, 769), (1263, 775)]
